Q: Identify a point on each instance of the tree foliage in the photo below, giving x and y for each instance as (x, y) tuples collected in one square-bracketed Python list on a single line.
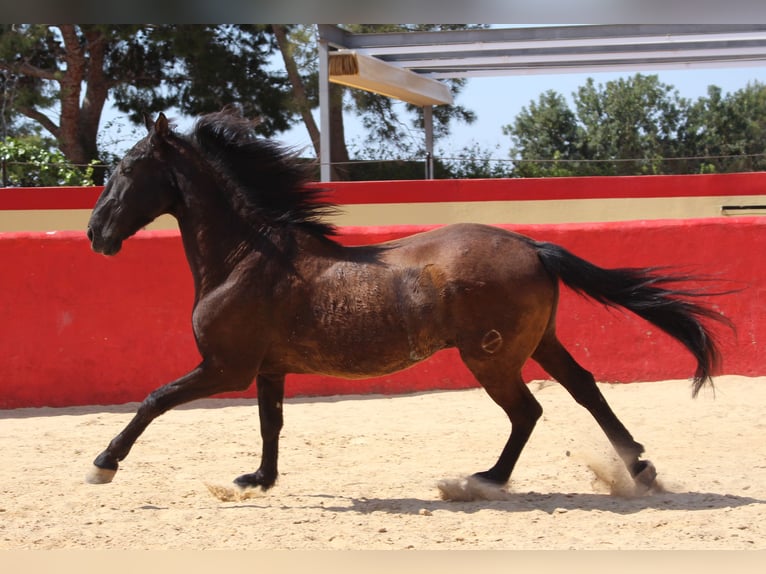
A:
[(728, 133), (31, 161), (199, 69), (546, 129), (61, 76), (474, 162), (639, 125), (628, 119)]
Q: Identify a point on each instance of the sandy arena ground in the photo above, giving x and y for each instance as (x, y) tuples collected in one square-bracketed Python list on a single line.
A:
[(362, 473)]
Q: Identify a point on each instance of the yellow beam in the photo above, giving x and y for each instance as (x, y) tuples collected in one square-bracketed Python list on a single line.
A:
[(366, 73)]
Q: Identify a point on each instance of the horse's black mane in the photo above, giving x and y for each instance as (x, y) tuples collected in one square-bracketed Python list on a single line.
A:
[(270, 179)]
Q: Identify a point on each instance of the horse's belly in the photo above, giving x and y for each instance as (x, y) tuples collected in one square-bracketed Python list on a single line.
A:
[(367, 320), (358, 354)]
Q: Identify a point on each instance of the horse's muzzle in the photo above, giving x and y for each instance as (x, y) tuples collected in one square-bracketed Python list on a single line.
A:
[(103, 245)]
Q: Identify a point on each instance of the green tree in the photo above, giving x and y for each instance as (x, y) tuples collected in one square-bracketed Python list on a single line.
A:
[(545, 138), (200, 69), (474, 162), (626, 126), (728, 132), (32, 161), (634, 121), (61, 76)]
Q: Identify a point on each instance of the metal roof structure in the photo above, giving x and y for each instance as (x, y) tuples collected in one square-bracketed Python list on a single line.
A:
[(434, 56)]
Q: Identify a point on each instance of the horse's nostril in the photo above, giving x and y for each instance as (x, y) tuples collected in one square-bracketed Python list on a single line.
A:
[(89, 232)]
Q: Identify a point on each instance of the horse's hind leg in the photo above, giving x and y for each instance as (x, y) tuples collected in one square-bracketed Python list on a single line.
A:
[(510, 392), (556, 360), (271, 392)]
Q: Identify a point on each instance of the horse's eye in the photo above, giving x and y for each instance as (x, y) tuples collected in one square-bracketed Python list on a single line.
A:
[(126, 169)]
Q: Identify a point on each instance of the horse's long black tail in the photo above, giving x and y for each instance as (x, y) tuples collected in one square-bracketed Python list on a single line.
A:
[(645, 292)]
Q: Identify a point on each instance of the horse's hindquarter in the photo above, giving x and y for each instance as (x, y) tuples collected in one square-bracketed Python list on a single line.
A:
[(364, 316)]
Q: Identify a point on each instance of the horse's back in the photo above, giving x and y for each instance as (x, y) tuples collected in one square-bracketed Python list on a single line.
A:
[(471, 251), (483, 278)]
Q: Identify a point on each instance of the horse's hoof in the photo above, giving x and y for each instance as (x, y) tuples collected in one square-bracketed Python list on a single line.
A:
[(487, 477), (254, 480), (645, 475), (98, 475)]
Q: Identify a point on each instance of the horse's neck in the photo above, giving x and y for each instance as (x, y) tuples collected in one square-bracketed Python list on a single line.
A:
[(215, 238)]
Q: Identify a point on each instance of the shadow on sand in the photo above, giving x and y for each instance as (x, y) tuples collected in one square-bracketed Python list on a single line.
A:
[(549, 503)]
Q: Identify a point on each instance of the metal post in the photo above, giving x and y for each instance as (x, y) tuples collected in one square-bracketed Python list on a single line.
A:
[(324, 111), (428, 125)]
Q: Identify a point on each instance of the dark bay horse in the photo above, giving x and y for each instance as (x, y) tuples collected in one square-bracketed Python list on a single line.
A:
[(276, 294)]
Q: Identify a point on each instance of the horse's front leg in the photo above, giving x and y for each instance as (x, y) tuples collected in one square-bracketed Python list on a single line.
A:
[(271, 392), (202, 382)]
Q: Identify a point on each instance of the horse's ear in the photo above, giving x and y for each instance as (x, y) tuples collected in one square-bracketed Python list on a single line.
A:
[(161, 127)]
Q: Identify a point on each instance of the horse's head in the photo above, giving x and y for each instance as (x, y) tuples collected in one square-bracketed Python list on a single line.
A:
[(141, 189)]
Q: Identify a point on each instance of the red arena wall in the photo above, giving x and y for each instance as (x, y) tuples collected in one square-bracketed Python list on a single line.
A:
[(80, 328)]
